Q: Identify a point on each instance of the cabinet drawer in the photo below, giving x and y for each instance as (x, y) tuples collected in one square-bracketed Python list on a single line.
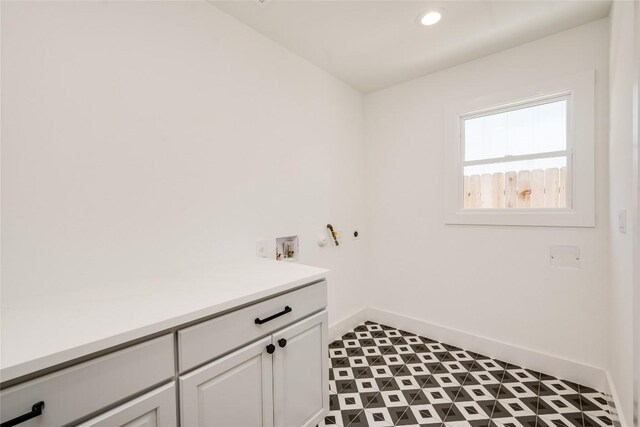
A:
[(82, 389), (154, 409), (205, 341)]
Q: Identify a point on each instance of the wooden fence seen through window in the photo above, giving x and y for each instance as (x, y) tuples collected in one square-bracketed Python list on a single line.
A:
[(536, 188)]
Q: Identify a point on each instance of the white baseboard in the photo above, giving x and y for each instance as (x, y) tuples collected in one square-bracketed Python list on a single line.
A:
[(542, 362), (618, 415), (341, 327), (553, 365)]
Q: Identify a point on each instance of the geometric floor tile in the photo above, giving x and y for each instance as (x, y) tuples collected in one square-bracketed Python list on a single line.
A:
[(381, 376)]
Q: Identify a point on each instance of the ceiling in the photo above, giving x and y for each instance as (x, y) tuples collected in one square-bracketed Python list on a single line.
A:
[(374, 44)]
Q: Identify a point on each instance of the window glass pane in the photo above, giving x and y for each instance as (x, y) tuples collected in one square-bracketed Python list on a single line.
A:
[(539, 183), (529, 130)]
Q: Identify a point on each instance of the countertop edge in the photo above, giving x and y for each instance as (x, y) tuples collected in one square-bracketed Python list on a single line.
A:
[(16, 371)]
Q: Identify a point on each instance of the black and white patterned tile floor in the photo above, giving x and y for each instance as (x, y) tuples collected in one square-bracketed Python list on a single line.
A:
[(381, 376)]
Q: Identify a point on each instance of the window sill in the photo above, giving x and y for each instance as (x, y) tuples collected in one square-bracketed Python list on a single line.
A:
[(521, 217)]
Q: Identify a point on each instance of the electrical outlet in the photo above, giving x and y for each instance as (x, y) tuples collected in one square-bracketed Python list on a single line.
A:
[(262, 249), (622, 221)]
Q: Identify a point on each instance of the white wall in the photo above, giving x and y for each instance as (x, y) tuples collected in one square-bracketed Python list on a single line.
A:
[(139, 137), (621, 186), (492, 281)]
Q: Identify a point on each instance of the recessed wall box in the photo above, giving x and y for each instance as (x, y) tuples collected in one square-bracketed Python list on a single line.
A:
[(287, 248)]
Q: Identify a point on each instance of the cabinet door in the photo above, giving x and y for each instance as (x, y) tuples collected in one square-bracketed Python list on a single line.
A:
[(234, 391), (154, 409), (301, 373)]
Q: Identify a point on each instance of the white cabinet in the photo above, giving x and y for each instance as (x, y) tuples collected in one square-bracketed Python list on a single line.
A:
[(76, 392), (235, 391), (280, 380), (301, 373), (154, 409), (201, 343), (263, 364)]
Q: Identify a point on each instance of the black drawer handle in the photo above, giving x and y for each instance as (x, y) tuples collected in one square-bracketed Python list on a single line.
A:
[(271, 348), (36, 410), (282, 342), (259, 321)]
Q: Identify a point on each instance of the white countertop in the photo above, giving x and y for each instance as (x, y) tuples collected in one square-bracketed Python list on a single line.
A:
[(41, 332)]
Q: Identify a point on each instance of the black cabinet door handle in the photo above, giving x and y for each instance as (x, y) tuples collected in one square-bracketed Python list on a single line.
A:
[(36, 410), (270, 349), (282, 342), (260, 321)]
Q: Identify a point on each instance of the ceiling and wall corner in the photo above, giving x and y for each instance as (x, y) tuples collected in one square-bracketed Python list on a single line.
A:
[(376, 44)]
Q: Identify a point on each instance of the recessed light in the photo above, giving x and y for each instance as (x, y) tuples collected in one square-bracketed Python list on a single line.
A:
[(430, 17)]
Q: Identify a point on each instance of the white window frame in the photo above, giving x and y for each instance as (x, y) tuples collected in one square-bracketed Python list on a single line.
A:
[(579, 91)]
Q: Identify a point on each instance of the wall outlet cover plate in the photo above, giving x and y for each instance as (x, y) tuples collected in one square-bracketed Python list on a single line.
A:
[(565, 257), (622, 221)]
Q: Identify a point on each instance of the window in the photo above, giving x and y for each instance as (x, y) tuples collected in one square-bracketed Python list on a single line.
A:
[(523, 157), (516, 157)]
